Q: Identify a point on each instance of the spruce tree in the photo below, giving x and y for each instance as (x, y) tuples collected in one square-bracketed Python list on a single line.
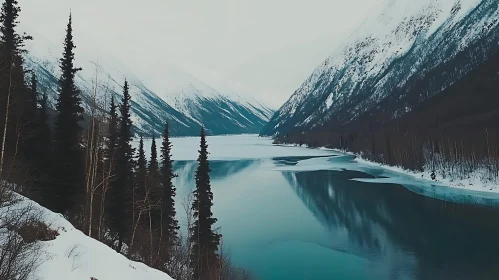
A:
[(33, 149), (154, 183), (140, 178), (68, 171), (112, 133), (141, 166), (153, 163), (119, 212), (203, 238), (168, 221), (14, 93), (44, 137), (12, 42)]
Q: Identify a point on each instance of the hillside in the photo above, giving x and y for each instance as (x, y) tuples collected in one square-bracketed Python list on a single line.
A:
[(72, 254), (181, 99), (410, 53)]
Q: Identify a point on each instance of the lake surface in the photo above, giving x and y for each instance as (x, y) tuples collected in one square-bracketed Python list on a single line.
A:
[(295, 213)]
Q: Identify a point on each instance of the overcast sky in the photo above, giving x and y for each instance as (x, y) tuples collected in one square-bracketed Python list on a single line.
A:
[(265, 48)]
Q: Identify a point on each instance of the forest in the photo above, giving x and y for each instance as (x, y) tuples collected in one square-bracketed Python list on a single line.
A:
[(450, 135), (80, 162)]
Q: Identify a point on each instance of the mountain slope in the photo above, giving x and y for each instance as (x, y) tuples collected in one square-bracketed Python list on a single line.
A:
[(219, 114), (410, 53)]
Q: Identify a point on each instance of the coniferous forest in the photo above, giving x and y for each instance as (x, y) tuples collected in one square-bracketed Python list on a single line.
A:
[(452, 135), (81, 163)]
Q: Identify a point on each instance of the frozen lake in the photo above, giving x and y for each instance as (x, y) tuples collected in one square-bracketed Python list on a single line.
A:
[(297, 213)]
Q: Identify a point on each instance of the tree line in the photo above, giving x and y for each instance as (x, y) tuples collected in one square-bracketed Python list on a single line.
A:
[(83, 165)]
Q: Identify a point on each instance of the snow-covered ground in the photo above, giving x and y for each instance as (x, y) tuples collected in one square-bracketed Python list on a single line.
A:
[(73, 255), (470, 190)]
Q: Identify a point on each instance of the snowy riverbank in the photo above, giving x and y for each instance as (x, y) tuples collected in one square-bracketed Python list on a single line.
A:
[(470, 190)]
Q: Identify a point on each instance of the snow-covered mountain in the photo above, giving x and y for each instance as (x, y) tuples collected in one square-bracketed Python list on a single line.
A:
[(181, 99), (221, 113), (409, 53)]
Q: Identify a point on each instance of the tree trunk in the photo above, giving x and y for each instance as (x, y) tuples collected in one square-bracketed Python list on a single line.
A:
[(4, 137)]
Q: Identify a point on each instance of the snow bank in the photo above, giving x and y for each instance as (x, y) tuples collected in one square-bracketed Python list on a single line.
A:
[(73, 255), (470, 190)]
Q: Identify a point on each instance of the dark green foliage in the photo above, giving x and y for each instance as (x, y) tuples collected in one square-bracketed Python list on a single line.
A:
[(68, 183), (112, 137), (204, 239), (153, 163), (154, 184), (140, 178), (37, 144), (14, 95), (44, 156), (169, 222), (141, 165), (120, 198), (12, 42)]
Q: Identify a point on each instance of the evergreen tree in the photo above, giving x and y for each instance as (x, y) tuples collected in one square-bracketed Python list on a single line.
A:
[(168, 221), (153, 163), (141, 167), (121, 188), (203, 238), (14, 92), (68, 172), (41, 147), (154, 184), (33, 96), (12, 42), (43, 120), (140, 180), (113, 132)]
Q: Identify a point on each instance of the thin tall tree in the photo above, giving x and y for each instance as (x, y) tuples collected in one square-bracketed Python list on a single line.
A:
[(169, 224), (203, 237), (68, 173), (14, 93), (119, 212)]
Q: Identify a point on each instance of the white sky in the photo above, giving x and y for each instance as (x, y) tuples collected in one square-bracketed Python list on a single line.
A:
[(265, 48)]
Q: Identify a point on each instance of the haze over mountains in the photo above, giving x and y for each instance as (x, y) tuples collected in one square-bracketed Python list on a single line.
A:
[(181, 99)]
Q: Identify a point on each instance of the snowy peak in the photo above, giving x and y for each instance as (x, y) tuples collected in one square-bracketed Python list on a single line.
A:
[(219, 112), (388, 56), (178, 97)]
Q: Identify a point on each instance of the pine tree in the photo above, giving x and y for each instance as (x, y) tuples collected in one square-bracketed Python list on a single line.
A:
[(43, 141), (112, 133), (12, 42), (120, 198), (169, 223), (153, 163), (154, 185), (140, 188), (33, 149), (14, 92), (68, 174), (141, 169), (44, 122), (203, 238)]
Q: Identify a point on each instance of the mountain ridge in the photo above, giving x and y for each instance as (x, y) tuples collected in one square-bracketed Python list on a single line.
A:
[(150, 110), (358, 77)]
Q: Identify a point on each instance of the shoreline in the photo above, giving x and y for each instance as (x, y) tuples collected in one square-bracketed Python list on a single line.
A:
[(471, 189)]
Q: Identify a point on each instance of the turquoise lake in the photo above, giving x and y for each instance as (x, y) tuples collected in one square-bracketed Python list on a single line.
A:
[(284, 214)]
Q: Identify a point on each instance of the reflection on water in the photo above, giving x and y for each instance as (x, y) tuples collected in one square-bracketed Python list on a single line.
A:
[(322, 225), (412, 236)]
